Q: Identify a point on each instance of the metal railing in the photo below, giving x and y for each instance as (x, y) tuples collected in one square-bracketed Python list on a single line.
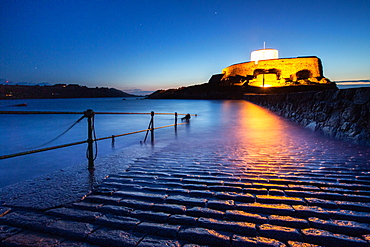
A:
[(91, 138)]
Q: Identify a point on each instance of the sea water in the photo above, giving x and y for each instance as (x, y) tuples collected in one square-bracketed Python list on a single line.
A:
[(253, 130), (21, 132)]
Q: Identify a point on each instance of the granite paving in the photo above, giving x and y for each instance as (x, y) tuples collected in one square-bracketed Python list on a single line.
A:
[(201, 196)]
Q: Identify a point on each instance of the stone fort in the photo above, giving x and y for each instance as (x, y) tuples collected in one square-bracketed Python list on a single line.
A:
[(267, 70)]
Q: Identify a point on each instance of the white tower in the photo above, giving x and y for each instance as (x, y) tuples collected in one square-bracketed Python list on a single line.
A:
[(264, 54)]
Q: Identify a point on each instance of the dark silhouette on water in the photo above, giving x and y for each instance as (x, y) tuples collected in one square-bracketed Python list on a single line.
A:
[(186, 118)]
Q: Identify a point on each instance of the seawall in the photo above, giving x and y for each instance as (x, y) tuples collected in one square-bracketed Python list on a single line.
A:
[(342, 114)]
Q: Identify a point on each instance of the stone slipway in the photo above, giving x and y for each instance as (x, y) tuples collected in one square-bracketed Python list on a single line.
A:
[(197, 196)]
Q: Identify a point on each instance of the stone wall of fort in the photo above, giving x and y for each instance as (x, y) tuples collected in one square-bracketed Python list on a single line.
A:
[(287, 68), (342, 114)]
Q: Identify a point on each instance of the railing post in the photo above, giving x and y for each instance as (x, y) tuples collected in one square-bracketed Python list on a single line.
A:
[(175, 119), (152, 129), (90, 153)]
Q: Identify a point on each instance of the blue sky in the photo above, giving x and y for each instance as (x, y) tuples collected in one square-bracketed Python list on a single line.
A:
[(159, 44)]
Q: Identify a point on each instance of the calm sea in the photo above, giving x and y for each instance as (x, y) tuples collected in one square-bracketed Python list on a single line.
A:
[(255, 130)]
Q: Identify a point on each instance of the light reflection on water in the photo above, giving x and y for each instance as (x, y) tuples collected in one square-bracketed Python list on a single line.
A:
[(271, 138), (241, 133), (251, 137)]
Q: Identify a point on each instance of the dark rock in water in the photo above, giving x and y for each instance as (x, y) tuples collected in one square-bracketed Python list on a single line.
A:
[(23, 104)]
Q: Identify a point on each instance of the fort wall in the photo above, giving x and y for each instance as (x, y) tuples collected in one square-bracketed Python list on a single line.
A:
[(287, 68)]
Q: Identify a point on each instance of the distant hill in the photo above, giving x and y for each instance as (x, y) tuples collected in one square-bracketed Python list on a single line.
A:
[(58, 91), (354, 81)]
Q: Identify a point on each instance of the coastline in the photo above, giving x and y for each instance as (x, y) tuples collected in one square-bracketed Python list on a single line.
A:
[(58, 91)]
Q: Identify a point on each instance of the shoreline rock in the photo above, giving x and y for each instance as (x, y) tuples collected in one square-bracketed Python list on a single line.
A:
[(343, 114)]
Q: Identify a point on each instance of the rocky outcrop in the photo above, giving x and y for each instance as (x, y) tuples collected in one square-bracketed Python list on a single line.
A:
[(202, 91), (219, 90), (342, 114)]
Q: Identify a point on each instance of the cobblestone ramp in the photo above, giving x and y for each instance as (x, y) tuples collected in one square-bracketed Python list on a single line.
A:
[(203, 197)]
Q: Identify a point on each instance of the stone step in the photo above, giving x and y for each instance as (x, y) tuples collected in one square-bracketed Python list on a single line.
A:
[(206, 200)]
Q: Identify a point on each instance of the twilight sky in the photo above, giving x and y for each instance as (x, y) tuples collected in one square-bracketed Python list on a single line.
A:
[(159, 44)]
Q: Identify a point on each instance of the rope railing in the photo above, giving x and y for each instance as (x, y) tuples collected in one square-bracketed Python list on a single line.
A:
[(135, 132), (39, 112), (113, 113), (89, 114), (41, 150)]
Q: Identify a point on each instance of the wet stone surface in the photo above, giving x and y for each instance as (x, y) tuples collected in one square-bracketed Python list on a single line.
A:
[(8, 231), (203, 196)]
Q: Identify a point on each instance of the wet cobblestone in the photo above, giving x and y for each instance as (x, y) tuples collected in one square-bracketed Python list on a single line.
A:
[(8, 231), (193, 198), (28, 238)]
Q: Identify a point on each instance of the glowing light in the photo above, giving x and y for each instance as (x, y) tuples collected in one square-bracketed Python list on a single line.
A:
[(264, 54), (265, 80)]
